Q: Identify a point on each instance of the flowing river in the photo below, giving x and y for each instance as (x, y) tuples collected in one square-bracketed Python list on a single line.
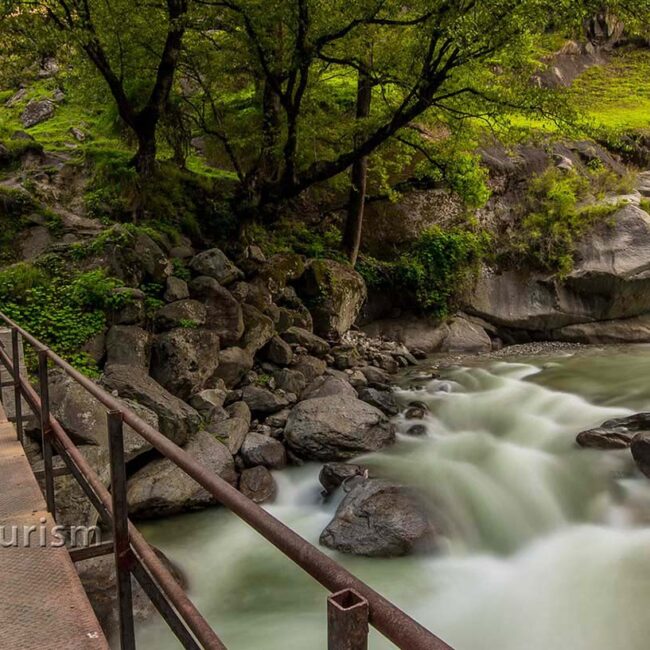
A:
[(547, 545)]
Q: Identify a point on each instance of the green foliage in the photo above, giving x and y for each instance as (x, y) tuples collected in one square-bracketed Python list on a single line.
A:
[(558, 217), (437, 269), (292, 236), (180, 270), (62, 311)]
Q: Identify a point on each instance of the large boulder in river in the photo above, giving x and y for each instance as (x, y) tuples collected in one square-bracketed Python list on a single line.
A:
[(162, 488), (176, 418), (336, 428), (378, 518), (334, 294), (223, 312), (185, 360), (214, 264)]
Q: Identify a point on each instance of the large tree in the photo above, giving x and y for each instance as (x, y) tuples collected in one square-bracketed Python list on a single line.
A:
[(291, 94), (134, 46)]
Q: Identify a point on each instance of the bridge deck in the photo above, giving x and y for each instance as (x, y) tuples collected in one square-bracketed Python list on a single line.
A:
[(42, 602)]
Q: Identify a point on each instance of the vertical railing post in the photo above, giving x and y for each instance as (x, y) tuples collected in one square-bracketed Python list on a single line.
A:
[(46, 430), (121, 542), (347, 621), (18, 401)]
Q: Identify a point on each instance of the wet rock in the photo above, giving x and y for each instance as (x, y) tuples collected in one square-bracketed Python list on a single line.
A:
[(313, 344), (176, 289), (414, 412), (416, 430), (263, 401), (384, 400), (182, 313), (128, 345), (616, 433), (336, 428), (258, 449), (162, 488), (234, 363), (378, 518), (176, 418), (214, 264), (375, 376), (332, 475), (325, 386), (640, 448), (258, 484), (278, 351), (185, 360), (223, 313)]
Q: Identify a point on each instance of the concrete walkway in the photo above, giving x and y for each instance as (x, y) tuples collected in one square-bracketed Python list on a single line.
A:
[(42, 602)]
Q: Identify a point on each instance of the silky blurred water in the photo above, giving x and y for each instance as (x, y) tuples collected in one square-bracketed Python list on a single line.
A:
[(547, 545)]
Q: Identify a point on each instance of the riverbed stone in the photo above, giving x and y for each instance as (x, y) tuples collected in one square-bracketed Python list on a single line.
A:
[(332, 475), (161, 488), (290, 381), (258, 329), (616, 433), (336, 428), (310, 367), (258, 484), (379, 518), (279, 352), (384, 400), (326, 385), (176, 289), (182, 313)]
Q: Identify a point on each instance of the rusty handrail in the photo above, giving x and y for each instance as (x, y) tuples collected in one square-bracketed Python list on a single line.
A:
[(393, 623)]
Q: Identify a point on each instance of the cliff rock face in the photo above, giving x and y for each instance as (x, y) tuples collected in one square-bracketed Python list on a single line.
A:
[(605, 297)]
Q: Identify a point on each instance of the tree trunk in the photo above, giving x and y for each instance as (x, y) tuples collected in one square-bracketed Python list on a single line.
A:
[(144, 160), (271, 128), (358, 178)]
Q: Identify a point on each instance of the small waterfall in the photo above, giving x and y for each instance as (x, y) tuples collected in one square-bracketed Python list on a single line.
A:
[(548, 544)]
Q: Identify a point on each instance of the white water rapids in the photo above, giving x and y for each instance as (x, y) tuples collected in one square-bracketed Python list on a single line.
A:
[(548, 545)]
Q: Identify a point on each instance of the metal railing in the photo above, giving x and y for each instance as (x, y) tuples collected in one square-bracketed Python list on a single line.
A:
[(351, 606)]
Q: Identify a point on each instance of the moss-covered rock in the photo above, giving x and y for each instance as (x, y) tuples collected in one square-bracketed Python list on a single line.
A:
[(334, 294)]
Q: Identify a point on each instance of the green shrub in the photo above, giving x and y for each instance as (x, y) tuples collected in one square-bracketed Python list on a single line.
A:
[(62, 311), (548, 235), (436, 270)]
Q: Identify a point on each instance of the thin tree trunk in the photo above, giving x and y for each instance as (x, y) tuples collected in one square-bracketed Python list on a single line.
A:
[(358, 178)]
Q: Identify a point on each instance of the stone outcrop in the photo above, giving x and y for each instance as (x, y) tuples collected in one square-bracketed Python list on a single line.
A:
[(334, 293)]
